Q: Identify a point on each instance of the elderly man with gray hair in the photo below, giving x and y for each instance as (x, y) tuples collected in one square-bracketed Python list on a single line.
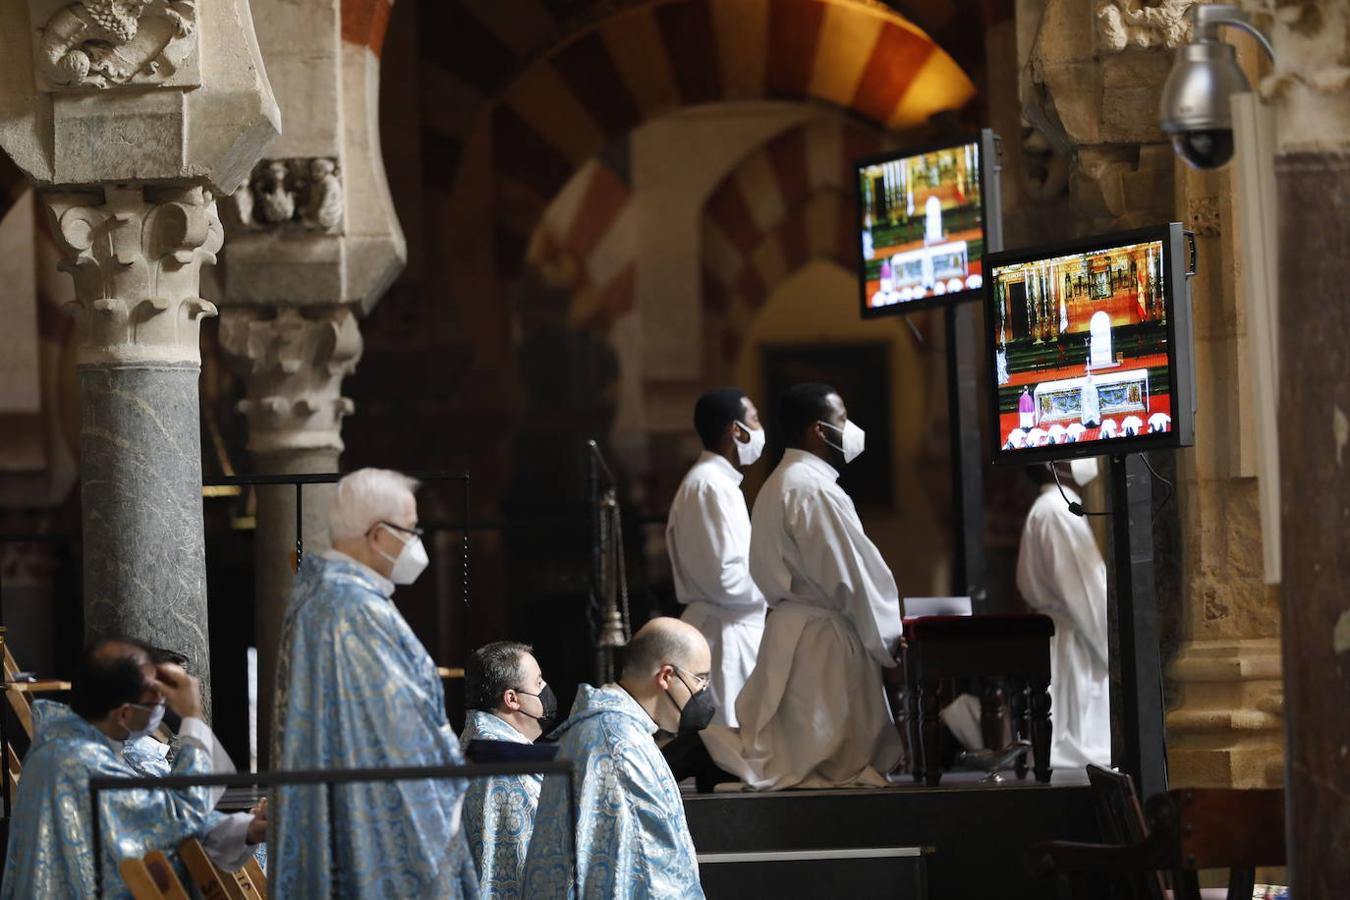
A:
[(357, 690)]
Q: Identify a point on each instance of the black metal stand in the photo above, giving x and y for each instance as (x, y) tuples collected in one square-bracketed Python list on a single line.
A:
[(1137, 622), (967, 462)]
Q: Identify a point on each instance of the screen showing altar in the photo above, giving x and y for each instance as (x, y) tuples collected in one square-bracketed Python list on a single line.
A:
[(1084, 348), (922, 228)]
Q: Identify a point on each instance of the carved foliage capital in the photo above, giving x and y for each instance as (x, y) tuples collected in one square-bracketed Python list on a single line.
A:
[(293, 363), (135, 255)]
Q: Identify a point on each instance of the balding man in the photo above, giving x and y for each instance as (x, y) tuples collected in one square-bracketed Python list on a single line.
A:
[(629, 829), (814, 712), (357, 690), (119, 694)]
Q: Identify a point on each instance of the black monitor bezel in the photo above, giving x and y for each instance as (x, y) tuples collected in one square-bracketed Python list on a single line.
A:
[(982, 139), (1172, 239)]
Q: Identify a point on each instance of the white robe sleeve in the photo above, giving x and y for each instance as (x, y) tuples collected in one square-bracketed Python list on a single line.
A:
[(710, 543), (1063, 572), (847, 567), (227, 843)]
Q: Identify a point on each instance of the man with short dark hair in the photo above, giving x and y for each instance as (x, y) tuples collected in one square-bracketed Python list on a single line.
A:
[(814, 712), (509, 701), (708, 539), (628, 823), (118, 694)]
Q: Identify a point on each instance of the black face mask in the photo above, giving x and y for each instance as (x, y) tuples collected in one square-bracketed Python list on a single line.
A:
[(550, 704), (698, 710)]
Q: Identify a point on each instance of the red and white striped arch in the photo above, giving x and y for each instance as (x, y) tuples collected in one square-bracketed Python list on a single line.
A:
[(650, 58)]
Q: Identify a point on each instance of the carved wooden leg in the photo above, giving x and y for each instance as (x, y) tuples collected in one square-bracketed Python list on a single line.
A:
[(931, 731), (991, 713), (1021, 724), (916, 758), (1040, 729)]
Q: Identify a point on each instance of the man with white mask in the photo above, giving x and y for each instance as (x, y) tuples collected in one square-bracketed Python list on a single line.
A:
[(814, 712), (1060, 572), (708, 538), (357, 690)]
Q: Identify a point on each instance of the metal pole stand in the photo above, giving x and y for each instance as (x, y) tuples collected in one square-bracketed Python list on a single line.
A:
[(1135, 606)]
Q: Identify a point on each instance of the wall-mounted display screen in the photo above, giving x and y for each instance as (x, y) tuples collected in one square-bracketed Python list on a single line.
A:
[(925, 225), (1090, 344)]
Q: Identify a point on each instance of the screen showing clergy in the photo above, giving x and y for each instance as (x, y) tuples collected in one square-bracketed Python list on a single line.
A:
[(1081, 347), (922, 227)]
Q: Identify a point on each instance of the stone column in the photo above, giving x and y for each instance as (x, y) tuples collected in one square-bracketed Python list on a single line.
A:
[(130, 118), (1311, 93), (293, 363), (314, 243), (1225, 728)]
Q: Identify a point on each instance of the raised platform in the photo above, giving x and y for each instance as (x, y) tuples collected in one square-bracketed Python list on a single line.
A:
[(972, 836)]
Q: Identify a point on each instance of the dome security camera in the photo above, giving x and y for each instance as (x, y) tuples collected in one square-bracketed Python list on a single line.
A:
[(1195, 110)]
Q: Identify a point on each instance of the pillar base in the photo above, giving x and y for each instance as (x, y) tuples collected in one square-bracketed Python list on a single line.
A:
[(1228, 730)]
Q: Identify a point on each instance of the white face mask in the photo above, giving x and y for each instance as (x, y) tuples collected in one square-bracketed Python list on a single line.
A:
[(411, 560), (1084, 470), (749, 452), (853, 438), (156, 716)]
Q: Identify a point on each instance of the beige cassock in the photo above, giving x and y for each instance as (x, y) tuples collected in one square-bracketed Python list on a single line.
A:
[(708, 538), (814, 711), (1060, 573)]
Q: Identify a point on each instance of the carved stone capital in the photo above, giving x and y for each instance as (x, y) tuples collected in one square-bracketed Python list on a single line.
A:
[(97, 44), (1124, 24), (289, 194), (135, 255), (135, 91), (293, 363)]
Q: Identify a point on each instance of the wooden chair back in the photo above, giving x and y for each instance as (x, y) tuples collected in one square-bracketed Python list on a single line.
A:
[(152, 878), (214, 883), (1121, 820)]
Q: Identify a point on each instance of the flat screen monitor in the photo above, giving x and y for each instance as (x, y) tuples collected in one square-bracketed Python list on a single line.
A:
[(927, 216), (1090, 347)]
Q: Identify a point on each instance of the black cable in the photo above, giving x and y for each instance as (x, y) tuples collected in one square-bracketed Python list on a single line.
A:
[(1171, 489), (1075, 508)]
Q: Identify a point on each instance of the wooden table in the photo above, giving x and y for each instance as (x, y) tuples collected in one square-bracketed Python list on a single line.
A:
[(1014, 647)]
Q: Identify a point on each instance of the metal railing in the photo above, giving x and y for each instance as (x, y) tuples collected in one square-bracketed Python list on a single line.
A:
[(330, 778)]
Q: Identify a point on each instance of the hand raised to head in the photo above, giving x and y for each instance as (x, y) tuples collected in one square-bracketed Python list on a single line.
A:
[(181, 691)]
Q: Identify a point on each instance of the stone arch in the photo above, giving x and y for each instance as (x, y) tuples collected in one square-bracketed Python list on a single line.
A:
[(611, 75)]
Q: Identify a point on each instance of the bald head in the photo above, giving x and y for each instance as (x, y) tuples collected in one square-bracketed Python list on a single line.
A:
[(665, 641), (666, 662)]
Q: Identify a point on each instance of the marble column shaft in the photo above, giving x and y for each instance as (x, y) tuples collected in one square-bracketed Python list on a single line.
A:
[(135, 255)]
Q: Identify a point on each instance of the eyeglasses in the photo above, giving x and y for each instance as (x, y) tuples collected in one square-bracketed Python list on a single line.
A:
[(416, 532), (701, 680)]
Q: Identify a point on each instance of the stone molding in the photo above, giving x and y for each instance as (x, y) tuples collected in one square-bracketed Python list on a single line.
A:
[(292, 363), (100, 44), (1125, 24), (135, 255), (1229, 728)]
